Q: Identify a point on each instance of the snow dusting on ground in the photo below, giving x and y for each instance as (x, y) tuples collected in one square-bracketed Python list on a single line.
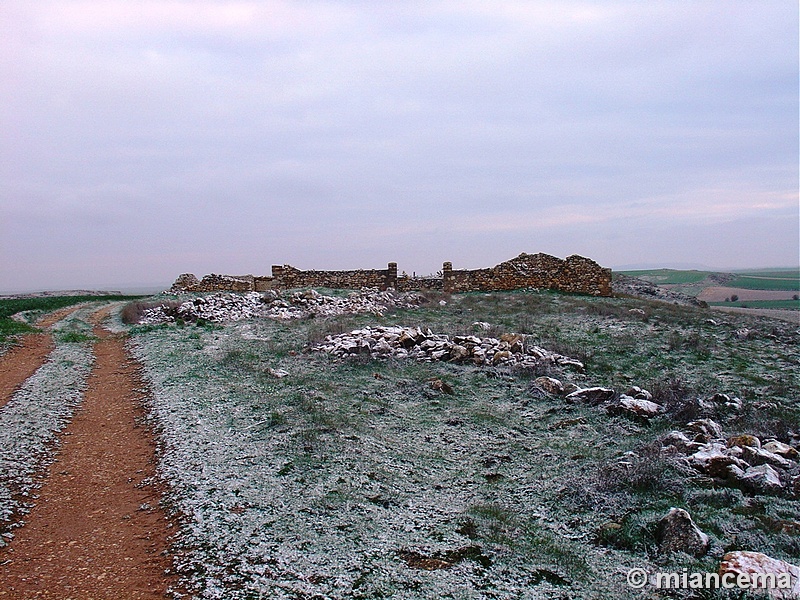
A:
[(300, 477), (42, 407), (221, 307)]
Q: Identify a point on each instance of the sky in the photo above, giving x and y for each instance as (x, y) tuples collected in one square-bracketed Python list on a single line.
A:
[(141, 139)]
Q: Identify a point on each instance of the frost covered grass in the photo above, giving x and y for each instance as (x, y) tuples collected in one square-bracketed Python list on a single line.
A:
[(32, 308), (358, 479), (31, 420)]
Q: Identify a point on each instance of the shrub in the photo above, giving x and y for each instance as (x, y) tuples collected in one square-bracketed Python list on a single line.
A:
[(647, 471), (132, 313)]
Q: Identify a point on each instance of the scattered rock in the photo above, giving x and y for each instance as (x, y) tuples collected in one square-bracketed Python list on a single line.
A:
[(550, 385), (762, 479), (705, 430), (781, 449), (786, 575), (639, 393), (679, 441), (677, 532), (570, 387), (278, 373), (727, 401), (760, 456), (412, 342), (712, 459), (744, 440), (636, 407), (441, 386), (593, 395)]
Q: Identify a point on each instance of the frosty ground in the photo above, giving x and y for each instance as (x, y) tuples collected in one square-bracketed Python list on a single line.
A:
[(356, 478)]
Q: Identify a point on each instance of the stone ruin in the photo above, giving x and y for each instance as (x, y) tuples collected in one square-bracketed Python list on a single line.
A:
[(575, 274)]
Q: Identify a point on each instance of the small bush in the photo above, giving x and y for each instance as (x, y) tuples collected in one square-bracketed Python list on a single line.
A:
[(133, 312), (76, 337), (678, 399), (646, 472)]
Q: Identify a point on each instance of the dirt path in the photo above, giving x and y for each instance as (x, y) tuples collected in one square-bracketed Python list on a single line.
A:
[(22, 361), (96, 531)]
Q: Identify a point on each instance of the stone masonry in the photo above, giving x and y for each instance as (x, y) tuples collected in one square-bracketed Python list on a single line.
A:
[(574, 274)]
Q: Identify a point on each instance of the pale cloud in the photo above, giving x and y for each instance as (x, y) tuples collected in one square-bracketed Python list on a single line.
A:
[(327, 132)]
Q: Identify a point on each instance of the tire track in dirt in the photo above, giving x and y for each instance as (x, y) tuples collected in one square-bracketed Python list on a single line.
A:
[(97, 530), (22, 361)]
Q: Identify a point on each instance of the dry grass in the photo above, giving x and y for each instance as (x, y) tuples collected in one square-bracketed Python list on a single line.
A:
[(132, 313)]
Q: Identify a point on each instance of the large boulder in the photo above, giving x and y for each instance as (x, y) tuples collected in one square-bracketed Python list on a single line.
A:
[(593, 395), (761, 456), (785, 576), (680, 442), (677, 532), (745, 440), (635, 407), (781, 449), (551, 385), (763, 479), (705, 430), (639, 393)]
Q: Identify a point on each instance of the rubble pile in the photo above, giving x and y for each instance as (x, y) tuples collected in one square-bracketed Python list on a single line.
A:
[(222, 307), (743, 461), (426, 346)]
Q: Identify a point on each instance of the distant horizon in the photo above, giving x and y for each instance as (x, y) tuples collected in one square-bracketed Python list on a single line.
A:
[(136, 288)]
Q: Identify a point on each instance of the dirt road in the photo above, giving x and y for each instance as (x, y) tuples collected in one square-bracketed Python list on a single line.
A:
[(97, 531), (21, 362)]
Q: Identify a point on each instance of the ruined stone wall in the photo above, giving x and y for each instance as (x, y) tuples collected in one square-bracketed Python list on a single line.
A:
[(286, 276), (214, 283), (574, 274), (416, 284)]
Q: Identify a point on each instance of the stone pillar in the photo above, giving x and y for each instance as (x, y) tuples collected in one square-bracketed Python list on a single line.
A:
[(391, 276), (447, 277), (277, 274)]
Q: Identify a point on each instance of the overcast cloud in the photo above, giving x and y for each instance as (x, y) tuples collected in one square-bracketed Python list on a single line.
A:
[(142, 139)]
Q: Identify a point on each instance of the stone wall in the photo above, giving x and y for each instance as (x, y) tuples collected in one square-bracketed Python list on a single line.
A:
[(286, 276), (214, 283), (574, 274)]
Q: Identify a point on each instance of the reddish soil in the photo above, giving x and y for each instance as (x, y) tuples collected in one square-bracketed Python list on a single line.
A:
[(97, 531), (22, 361)]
